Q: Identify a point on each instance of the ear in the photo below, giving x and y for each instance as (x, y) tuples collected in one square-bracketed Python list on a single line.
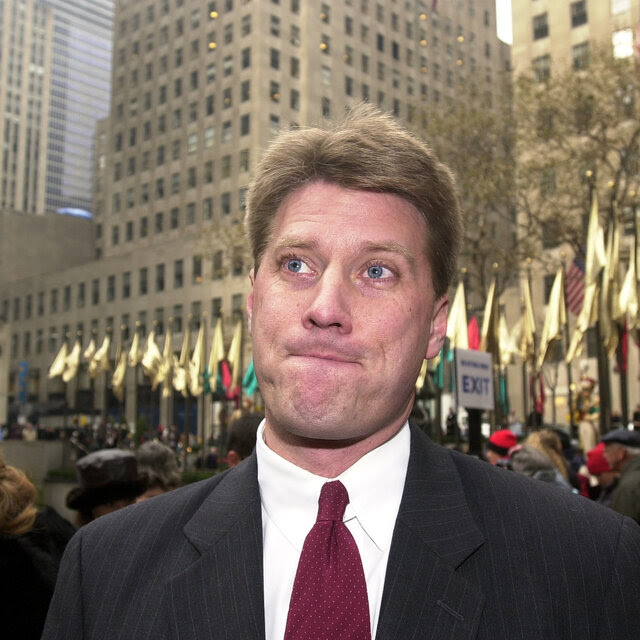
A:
[(438, 329), (233, 459), (250, 300)]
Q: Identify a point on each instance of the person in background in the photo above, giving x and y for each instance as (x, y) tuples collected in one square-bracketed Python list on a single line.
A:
[(242, 437), (598, 466), (622, 451), (32, 542), (108, 480), (498, 446), (158, 466)]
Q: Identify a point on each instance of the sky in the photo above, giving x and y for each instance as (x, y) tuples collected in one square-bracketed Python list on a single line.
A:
[(503, 11)]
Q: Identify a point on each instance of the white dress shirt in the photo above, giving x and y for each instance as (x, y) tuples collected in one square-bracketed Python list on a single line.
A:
[(289, 498)]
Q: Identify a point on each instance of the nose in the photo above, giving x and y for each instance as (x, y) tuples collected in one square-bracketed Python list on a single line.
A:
[(330, 303)]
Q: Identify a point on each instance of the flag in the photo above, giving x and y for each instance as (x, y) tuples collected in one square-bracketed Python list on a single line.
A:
[(134, 350), (58, 364), (528, 334), (117, 379), (163, 375), (422, 376), (555, 318), (100, 361), (216, 356), (609, 309), (90, 351), (457, 323), (72, 362), (250, 382), (151, 357), (507, 340), (181, 366), (473, 333), (196, 365), (574, 285), (595, 261), (235, 360), (490, 337), (629, 294)]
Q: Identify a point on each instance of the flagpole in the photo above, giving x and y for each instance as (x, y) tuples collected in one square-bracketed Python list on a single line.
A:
[(620, 360), (573, 427), (603, 373)]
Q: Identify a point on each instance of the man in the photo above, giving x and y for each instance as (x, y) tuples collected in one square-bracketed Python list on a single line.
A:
[(242, 437), (158, 466), (622, 451), (499, 445), (108, 481), (600, 469), (354, 232)]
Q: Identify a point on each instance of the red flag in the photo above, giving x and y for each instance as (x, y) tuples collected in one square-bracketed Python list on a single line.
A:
[(473, 334), (574, 285), (541, 396)]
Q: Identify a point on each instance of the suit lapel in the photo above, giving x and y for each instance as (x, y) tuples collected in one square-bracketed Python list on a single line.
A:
[(434, 534), (220, 594)]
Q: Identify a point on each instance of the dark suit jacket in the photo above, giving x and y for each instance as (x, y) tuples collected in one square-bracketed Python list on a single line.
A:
[(477, 552)]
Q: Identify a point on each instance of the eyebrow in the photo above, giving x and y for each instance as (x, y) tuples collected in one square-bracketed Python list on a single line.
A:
[(297, 242)]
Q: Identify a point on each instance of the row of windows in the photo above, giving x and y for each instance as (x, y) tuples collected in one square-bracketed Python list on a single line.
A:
[(577, 15), (61, 299), (161, 223), (33, 342)]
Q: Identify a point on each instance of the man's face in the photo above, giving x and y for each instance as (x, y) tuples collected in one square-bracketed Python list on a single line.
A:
[(342, 313), (615, 455)]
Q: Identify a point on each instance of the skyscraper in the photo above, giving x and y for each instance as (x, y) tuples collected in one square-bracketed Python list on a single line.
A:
[(55, 71)]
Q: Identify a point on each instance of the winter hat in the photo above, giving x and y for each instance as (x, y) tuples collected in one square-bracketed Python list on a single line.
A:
[(501, 441), (596, 462)]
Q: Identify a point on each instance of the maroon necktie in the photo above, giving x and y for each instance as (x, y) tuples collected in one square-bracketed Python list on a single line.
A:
[(329, 599)]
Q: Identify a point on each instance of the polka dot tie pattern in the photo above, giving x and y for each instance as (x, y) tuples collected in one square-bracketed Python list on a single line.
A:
[(329, 599)]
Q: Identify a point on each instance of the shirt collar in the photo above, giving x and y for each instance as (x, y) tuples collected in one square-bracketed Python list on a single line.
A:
[(375, 484)]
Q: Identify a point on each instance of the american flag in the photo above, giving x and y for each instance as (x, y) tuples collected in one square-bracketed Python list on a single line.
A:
[(574, 285)]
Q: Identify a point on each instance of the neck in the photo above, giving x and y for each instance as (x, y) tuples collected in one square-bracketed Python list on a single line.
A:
[(326, 458)]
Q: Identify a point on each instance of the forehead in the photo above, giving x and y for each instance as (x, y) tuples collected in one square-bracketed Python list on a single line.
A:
[(323, 203)]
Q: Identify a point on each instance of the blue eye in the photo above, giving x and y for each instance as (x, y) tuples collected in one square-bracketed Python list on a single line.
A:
[(294, 265), (375, 271)]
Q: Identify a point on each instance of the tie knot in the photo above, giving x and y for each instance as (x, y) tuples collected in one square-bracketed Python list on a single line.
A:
[(333, 501)]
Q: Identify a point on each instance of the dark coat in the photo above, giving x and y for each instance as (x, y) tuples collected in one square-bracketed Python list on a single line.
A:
[(28, 570), (477, 552)]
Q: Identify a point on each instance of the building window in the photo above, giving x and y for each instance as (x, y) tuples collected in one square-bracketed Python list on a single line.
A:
[(144, 227), (225, 203), (540, 26), (111, 288), (580, 54), (542, 68), (217, 266), (578, 13), (274, 58), (622, 42), (126, 284), (178, 274), (159, 277), (53, 301), (143, 281), (66, 298), (80, 300), (158, 320), (207, 209), (95, 291), (174, 218), (191, 213), (196, 270)]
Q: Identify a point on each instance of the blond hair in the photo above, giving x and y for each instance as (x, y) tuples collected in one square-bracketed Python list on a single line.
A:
[(17, 496), (367, 151)]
